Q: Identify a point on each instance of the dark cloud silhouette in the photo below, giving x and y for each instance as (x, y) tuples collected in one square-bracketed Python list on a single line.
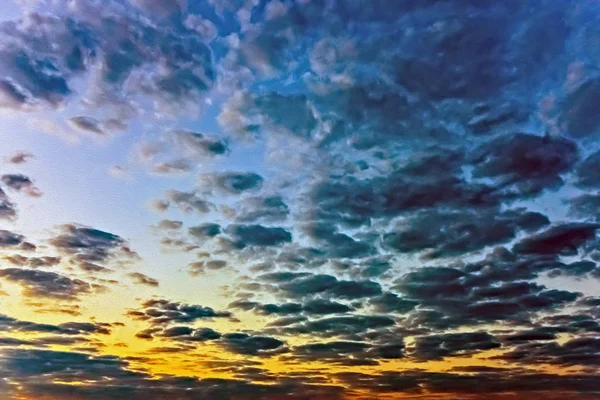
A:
[(315, 306), (231, 182), (577, 351), (258, 235), (87, 124), (527, 164), (21, 183), (205, 230), (443, 234), (91, 245), (243, 343), (340, 326), (436, 347), (199, 144), (10, 324), (7, 208), (10, 239), (301, 285), (563, 239), (270, 208), (38, 370), (50, 285), (159, 312)]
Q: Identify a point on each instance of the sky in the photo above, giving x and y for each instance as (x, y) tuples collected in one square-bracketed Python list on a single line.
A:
[(299, 199)]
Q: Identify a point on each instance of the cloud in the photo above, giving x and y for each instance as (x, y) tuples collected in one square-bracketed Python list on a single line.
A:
[(201, 267), (168, 224), (32, 262), (87, 124), (577, 351), (205, 231), (141, 279), (37, 372), (315, 306), (173, 68), (270, 208), (161, 312), (196, 143), (187, 202), (301, 285), (436, 347), (86, 244), (21, 183), (231, 182), (447, 234), (49, 285), (258, 235), (346, 326), (262, 346), (20, 157), (563, 239), (10, 239), (7, 208), (10, 324), (394, 190)]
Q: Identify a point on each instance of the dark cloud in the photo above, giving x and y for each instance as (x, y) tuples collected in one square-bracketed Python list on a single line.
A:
[(87, 124), (384, 133), (231, 182), (10, 239), (577, 351), (315, 306), (7, 208), (339, 352), (159, 312), (446, 234), (563, 239), (436, 347), (577, 113), (197, 143), (587, 175), (390, 302), (38, 372), (87, 244), (242, 343), (338, 245), (585, 206), (525, 164), (478, 383), (10, 324), (340, 326), (21, 183), (271, 208), (204, 231), (258, 235), (50, 285), (301, 285)]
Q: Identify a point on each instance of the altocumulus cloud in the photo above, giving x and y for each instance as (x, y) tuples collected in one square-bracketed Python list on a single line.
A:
[(373, 186)]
